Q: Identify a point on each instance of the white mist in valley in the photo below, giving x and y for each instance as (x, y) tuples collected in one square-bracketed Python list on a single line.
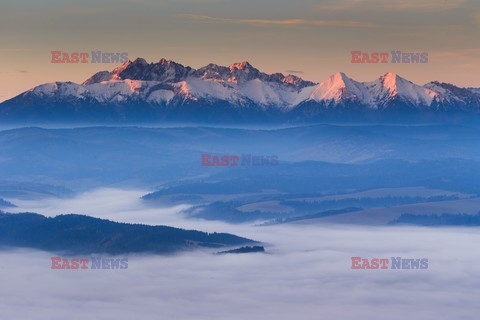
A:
[(305, 274)]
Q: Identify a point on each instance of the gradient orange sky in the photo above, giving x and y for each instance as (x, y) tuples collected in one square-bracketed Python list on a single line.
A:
[(311, 39)]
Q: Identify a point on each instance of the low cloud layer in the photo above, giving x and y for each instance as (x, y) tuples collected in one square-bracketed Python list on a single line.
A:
[(305, 275)]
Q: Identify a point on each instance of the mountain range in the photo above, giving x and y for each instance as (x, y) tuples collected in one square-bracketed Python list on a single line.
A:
[(140, 91)]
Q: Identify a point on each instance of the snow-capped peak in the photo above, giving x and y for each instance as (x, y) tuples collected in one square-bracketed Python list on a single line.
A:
[(339, 87), (58, 89), (391, 87), (452, 96), (389, 81)]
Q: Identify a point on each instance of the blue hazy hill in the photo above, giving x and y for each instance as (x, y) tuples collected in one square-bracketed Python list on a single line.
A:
[(83, 234)]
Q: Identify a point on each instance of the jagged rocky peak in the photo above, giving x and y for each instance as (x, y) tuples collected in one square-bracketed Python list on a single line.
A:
[(238, 72), (453, 94), (108, 75), (244, 71), (244, 65), (167, 63), (436, 85), (290, 80), (163, 61), (297, 82), (168, 71), (163, 71), (213, 71), (99, 77), (140, 61)]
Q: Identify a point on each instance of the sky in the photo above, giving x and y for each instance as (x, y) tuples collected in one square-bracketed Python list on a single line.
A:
[(311, 39)]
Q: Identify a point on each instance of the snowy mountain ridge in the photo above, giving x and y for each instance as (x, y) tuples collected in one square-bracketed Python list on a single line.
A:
[(161, 87)]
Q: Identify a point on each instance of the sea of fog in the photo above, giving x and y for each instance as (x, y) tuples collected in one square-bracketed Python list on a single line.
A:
[(306, 273)]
